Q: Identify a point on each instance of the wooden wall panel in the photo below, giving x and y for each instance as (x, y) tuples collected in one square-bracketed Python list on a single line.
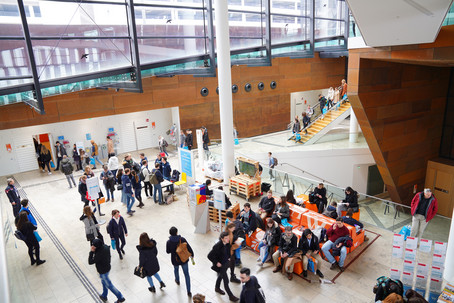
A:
[(255, 113)]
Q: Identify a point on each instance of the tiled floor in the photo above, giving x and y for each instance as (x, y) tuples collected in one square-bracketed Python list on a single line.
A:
[(55, 281)]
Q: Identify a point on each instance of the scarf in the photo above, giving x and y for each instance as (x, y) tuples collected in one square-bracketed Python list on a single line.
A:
[(286, 238)]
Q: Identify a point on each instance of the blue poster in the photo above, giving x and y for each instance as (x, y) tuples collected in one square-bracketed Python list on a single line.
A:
[(88, 136), (61, 138), (111, 129), (186, 162)]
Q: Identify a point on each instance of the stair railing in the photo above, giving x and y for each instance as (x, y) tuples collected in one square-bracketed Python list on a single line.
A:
[(305, 172)]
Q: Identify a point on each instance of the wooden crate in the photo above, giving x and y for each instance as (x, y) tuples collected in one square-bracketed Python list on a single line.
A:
[(214, 213), (244, 186)]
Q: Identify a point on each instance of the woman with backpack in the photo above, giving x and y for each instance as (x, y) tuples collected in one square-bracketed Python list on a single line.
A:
[(178, 247), (118, 231), (28, 230), (91, 225), (137, 186), (148, 260)]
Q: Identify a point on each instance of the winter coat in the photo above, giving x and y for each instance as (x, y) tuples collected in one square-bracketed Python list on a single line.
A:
[(289, 248), (432, 207), (346, 241), (66, 167), (116, 230), (267, 204), (166, 170), (101, 258), (29, 215), (249, 291), (284, 210), (351, 199), (82, 188), (90, 226), (148, 258), (304, 247), (127, 184), (273, 235), (61, 149), (109, 182), (219, 253), (27, 229), (252, 220), (171, 249)]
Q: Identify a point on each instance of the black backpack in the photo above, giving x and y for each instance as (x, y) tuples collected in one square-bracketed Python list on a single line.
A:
[(19, 235), (383, 288), (67, 168), (141, 175), (175, 176)]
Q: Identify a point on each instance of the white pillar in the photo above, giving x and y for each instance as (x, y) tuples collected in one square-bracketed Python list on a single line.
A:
[(353, 127), (449, 263), (225, 87)]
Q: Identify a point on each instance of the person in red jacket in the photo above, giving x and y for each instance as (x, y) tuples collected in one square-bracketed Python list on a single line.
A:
[(336, 231), (424, 206)]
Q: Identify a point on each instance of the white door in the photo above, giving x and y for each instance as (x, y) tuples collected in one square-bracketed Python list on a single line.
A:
[(144, 135), (24, 148), (127, 136)]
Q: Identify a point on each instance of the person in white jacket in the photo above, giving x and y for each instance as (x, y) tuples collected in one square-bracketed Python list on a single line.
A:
[(113, 165), (146, 179), (330, 97)]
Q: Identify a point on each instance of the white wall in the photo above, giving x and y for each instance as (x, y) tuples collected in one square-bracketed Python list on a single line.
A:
[(74, 131), (297, 105), (339, 166)]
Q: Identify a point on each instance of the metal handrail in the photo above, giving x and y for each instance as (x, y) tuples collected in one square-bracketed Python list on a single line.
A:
[(305, 172)]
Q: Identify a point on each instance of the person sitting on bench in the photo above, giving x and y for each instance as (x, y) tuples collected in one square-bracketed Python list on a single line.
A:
[(287, 249), (309, 247), (320, 197), (350, 201), (336, 231), (282, 210), (331, 211), (348, 219), (248, 218), (266, 205)]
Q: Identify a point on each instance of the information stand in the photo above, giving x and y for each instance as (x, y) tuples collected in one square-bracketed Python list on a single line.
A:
[(219, 204), (187, 164), (93, 191), (198, 206)]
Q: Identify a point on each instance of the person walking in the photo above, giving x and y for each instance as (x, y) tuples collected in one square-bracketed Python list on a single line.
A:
[(117, 230), (250, 293), (45, 158), (146, 179), (322, 103), (84, 159), (60, 152), (113, 166), (110, 148), (108, 179), (219, 256), (148, 260), (163, 145), (120, 187), (94, 153), (76, 158), (67, 169), (175, 240), (100, 256), (129, 191), (424, 207), (157, 189), (182, 138), (306, 120), (296, 125), (137, 185), (91, 225), (82, 188), (206, 141), (272, 164), (13, 196), (28, 230)]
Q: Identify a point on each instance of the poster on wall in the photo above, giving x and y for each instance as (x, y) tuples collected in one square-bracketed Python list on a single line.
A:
[(8, 148), (88, 136), (80, 146)]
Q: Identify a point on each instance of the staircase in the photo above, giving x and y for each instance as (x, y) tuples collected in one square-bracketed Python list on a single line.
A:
[(320, 126)]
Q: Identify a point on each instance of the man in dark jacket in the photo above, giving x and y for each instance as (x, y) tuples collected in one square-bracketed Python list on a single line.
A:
[(266, 205), (424, 207), (248, 218), (336, 231), (60, 152), (322, 102), (320, 197), (250, 292), (219, 256), (309, 247), (13, 196), (287, 248), (67, 168), (117, 230), (166, 171), (157, 188), (100, 256), (205, 140), (172, 245), (188, 140), (129, 191)]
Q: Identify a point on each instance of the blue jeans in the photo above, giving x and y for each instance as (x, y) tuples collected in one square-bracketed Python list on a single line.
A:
[(267, 252), (108, 192), (99, 161), (329, 245), (157, 189), (185, 268), (123, 196), (107, 285), (129, 201), (238, 255), (150, 280)]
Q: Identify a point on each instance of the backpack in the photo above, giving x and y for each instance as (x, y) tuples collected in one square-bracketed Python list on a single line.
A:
[(164, 143), (67, 168), (175, 176), (136, 167), (152, 178), (383, 287), (141, 175), (19, 235), (275, 161), (183, 252)]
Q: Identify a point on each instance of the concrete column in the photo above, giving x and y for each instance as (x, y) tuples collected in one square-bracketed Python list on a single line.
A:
[(448, 275), (353, 127), (225, 87)]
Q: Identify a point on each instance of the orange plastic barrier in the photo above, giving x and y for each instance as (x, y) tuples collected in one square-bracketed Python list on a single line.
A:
[(355, 215), (296, 213), (311, 206), (254, 240)]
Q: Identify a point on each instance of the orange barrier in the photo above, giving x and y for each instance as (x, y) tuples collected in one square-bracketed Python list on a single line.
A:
[(296, 213), (355, 215), (254, 240), (311, 206)]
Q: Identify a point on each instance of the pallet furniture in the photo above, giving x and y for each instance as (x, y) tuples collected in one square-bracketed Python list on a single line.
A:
[(248, 183), (214, 213)]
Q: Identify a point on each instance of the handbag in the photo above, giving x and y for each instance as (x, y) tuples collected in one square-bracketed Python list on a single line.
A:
[(119, 187), (113, 243), (37, 236), (138, 271), (90, 237), (101, 200)]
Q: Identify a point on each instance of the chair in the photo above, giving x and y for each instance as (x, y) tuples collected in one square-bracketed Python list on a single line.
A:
[(182, 181)]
